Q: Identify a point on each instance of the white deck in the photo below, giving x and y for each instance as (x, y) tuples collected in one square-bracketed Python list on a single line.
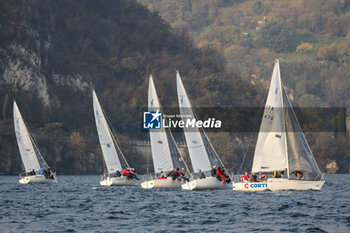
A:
[(36, 179), (117, 181), (162, 183), (279, 184), (205, 184)]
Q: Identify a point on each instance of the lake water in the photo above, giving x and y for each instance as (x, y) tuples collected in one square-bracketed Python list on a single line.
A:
[(79, 204)]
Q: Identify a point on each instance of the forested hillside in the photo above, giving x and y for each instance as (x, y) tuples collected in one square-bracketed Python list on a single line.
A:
[(54, 52), (311, 38)]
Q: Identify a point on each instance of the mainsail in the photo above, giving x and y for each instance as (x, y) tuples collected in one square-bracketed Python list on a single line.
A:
[(162, 160), (109, 151), (270, 151), (203, 155), (29, 153)]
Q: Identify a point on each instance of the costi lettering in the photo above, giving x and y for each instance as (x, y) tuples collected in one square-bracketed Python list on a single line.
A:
[(255, 185)]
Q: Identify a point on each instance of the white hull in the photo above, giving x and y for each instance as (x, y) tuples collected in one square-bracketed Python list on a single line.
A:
[(162, 183), (117, 181), (279, 184), (36, 179), (205, 184)]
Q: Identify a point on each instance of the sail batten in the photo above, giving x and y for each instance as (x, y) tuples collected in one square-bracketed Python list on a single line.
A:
[(26, 148), (109, 152)]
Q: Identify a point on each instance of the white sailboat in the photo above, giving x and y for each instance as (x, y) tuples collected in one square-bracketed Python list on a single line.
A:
[(109, 150), (282, 147), (202, 153), (166, 155), (36, 169)]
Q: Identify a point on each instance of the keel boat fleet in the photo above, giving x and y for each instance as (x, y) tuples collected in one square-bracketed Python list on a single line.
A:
[(281, 148)]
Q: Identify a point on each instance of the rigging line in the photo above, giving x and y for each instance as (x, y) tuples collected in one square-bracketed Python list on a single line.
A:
[(183, 159), (245, 152)]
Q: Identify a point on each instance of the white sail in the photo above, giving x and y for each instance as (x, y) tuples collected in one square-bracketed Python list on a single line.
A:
[(270, 151), (25, 145), (159, 142), (198, 154), (104, 134)]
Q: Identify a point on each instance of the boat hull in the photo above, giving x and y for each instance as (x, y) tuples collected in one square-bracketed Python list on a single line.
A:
[(117, 181), (162, 184), (279, 184), (205, 184), (36, 179)]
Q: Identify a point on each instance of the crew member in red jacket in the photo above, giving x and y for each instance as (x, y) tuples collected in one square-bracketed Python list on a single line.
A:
[(245, 177)]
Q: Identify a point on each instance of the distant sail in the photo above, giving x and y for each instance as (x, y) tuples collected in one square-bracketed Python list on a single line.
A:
[(270, 151), (109, 151), (196, 147), (26, 148), (162, 160)]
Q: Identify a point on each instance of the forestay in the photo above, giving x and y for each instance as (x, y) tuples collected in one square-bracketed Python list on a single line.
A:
[(270, 151), (28, 154), (159, 142), (196, 147), (109, 152), (299, 154)]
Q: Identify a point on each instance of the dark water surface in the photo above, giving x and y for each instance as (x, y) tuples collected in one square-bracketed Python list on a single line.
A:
[(79, 204)]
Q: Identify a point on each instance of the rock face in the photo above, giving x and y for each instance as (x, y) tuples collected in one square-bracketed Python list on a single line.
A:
[(332, 167), (22, 70)]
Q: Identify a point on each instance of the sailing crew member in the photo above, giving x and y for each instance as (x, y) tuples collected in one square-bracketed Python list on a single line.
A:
[(227, 178), (220, 176), (213, 172), (177, 173), (201, 174), (172, 174), (276, 175), (245, 177), (126, 172), (133, 174), (183, 175), (298, 175), (118, 174), (162, 176), (254, 177), (263, 177)]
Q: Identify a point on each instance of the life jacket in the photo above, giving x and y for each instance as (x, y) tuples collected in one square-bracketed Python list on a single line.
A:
[(263, 177), (162, 178), (222, 176), (244, 177), (125, 172), (177, 173)]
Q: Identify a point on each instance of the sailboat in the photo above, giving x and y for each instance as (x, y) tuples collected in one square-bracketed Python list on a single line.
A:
[(282, 147), (202, 153), (165, 153), (36, 169), (109, 150)]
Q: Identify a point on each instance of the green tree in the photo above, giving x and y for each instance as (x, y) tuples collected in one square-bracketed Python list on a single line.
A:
[(274, 36)]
